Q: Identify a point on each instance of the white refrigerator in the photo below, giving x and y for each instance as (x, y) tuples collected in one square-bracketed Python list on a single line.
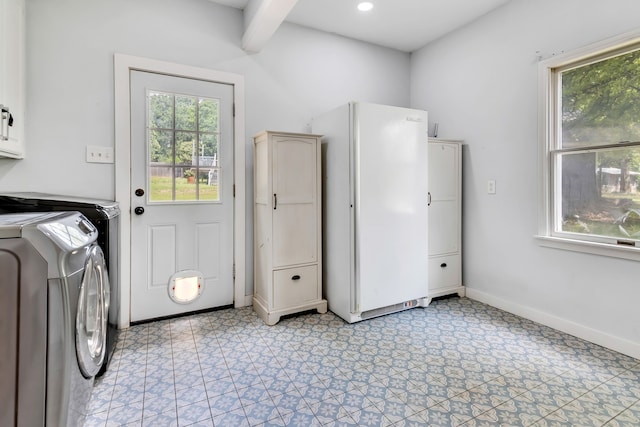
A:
[(375, 196)]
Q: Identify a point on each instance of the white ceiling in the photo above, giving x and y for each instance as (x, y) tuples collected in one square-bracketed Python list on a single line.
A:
[(405, 25)]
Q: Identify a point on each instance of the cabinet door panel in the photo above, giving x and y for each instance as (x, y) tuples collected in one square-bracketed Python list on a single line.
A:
[(443, 227), (444, 187), (294, 166), (294, 234), (295, 202), (443, 171)]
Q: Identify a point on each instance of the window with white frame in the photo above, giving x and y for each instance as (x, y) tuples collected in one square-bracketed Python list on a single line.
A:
[(591, 144)]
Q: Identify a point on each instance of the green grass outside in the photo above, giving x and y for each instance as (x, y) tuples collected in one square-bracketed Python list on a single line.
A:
[(161, 190)]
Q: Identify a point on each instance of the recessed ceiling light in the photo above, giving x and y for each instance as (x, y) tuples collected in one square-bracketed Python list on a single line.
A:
[(365, 6)]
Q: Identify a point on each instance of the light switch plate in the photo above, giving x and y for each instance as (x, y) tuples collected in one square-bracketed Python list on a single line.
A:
[(96, 154), (491, 186)]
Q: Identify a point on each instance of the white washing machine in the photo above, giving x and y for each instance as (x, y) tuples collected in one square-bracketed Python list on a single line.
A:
[(77, 306)]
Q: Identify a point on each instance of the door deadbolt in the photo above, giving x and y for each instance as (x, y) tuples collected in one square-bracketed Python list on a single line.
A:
[(139, 192)]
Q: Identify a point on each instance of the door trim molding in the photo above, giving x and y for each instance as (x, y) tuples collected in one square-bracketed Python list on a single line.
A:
[(123, 64)]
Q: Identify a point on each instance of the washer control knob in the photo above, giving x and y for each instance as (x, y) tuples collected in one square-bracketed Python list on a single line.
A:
[(139, 210)]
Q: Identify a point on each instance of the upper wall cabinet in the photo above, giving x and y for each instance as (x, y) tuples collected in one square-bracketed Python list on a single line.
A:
[(12, 78)]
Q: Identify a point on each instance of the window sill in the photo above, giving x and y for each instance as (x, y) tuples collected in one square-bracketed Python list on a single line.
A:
[(593, 248)]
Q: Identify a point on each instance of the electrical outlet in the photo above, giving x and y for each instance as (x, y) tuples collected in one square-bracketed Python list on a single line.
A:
[(97, 154), (491, 186)]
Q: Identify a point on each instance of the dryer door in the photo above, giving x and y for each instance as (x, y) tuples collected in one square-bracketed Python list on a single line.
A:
[(91, 320)]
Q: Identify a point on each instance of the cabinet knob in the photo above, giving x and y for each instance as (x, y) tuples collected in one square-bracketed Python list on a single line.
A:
[(296, 277), (443, 265)]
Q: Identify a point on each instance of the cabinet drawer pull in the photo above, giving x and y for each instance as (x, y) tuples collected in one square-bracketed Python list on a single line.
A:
[(296, 277), (443, 265)]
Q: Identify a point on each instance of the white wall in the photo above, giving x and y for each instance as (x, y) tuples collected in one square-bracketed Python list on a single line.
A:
[(480, 84), (70, 47)]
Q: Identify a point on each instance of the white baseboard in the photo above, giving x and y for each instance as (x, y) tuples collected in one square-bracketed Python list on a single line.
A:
[(612, 342)]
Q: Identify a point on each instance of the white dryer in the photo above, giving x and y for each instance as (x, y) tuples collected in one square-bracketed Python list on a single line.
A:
[(77, 306)]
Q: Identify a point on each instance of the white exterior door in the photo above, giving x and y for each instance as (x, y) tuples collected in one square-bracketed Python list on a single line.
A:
[(181, 192)]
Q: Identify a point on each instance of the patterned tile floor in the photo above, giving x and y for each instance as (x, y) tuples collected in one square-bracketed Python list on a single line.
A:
[(456, 363)]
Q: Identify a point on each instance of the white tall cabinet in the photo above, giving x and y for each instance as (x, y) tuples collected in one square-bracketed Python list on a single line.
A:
[(287, 225), (445, 215), (12, 77)]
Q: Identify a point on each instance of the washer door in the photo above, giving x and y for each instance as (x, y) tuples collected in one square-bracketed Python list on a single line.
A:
[(91, 320)]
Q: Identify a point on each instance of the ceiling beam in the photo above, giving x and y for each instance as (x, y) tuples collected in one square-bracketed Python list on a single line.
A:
[(261, 20)]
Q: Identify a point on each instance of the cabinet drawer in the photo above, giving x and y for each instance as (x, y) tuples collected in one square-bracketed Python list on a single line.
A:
[(295, 286), (444, 272)]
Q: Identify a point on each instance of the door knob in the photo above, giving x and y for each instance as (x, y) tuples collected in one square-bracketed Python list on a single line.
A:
[(139, 192), (139, 210)]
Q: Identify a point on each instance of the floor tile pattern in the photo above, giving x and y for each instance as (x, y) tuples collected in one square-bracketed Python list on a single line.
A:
[(455, 363)]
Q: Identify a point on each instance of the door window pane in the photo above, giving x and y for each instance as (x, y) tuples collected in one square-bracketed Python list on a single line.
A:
[(186, 148), (209, 166), (208, 115), (208, 149), (161, 147), (185, 112), (160, 110), (182, 138)]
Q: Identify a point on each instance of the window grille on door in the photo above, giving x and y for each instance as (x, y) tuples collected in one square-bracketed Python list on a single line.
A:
[(183, 136)]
